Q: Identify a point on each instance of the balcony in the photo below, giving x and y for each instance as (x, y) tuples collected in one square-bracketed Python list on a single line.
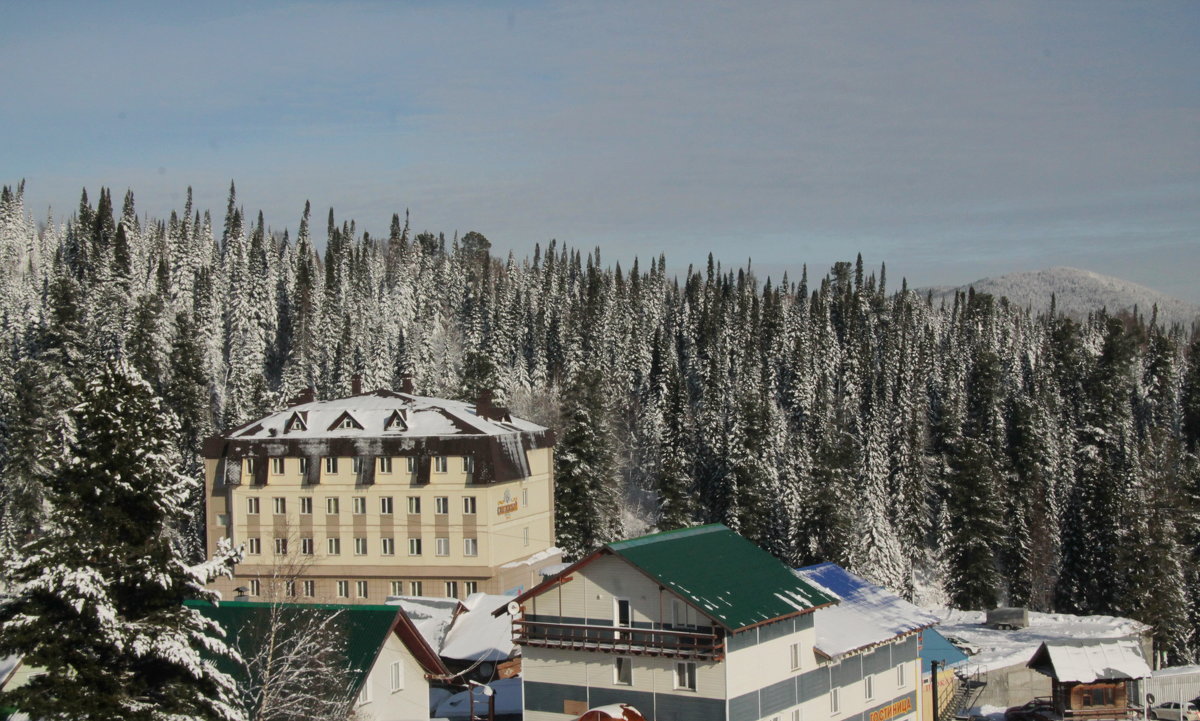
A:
[(672, 643)]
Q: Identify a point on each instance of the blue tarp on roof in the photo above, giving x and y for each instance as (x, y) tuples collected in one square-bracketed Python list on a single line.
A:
[(935, 647)]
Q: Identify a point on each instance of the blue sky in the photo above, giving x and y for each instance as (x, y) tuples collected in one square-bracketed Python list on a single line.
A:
[(951, 140)]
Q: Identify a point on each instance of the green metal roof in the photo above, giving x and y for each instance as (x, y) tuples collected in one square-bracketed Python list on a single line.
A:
[(366, 627), (727, 577)]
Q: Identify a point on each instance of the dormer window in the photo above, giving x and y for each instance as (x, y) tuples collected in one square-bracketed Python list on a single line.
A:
[(297, 422), (397, 422), (346, 421)]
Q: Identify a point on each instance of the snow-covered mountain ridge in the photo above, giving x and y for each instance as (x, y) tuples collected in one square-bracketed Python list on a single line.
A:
[(1077, 292)]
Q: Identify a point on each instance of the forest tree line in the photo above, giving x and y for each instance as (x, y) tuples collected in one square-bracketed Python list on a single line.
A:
[(970, 450)]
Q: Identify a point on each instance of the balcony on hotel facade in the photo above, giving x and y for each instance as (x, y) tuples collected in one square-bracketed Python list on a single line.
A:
[(700, 644)]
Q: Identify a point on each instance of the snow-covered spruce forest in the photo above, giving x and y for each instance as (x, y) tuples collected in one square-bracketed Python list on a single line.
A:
[(966, 450)]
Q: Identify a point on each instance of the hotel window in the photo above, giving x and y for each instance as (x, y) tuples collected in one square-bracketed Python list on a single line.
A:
[(441, 546), (332, 507), (685, 675), (387, 546), (343, 589), (468, 464), (439, 464), (360, 505), (469, 505), (525, 535), (360, 588), (356, 464), (451, 589), (795, 649), (397, 588), (414, 504), (397, 674), (280, 506), (385, 464), (900, 675), (277, 466), (303, 466), (255, 587), (414, 549), (310, 588), (248, 464), (252, 506), (412, 464), (289, 587), (835, 705), (415, 587), (306, 505), (334, 546), (441, 505), (524, 498), (360, 546), (470, 587), (623, 671), (253, 546), (306, 546), (331, 464), (280, 546), (470, 546), (869, 686), (385, 505)]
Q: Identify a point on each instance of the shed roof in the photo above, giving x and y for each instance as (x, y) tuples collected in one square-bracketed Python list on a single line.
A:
[(868, 614), (1086, 661)]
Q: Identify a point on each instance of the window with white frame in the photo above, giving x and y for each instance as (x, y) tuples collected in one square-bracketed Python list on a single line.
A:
[(387, 546), (397, 676), (439, 464), (277, 466), (397, 588), (415, 588), (306, 546), (441, 505), (280, 505), (412, 464), (310, 588), (795, 653), (452, 589), (252, 505), (303, 466), (441, 546), (289, 587), (360, 505), (685, 675), (525, 535), (306, 505), (385, 464), (356, 464), (869, 686), (524, 498), (414, 505), (900, 675), (385, 505), (470, 546), (835, 705), (414, 549), (280, 546), (332, 507), (255, 587), (360, 546), (468, 464), (469, 505), (253, 546), (248, 464), (333, 546), (343, 589), (360, 588), (623, 671), (470, 587), (331, 465)]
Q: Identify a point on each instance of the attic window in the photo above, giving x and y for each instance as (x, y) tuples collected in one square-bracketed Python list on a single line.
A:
[(346, 421), (295, 423), (396, 422)]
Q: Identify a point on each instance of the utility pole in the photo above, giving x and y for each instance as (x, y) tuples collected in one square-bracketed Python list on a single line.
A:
[(933, 679)]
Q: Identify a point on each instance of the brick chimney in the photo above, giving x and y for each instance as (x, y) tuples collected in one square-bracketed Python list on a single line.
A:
[(356, 384), (308, 395), (485, 408), (406, 384)]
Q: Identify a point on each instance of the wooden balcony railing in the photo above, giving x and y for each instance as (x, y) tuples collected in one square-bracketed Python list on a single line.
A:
[(695, 645)]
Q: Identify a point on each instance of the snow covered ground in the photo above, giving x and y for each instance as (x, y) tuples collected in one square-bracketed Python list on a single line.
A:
[(998, 649)]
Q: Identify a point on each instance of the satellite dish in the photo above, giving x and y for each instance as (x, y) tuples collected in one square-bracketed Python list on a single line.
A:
[(1149, 699), (514, 608)]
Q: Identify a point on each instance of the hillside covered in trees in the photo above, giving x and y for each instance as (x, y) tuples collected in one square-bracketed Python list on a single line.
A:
[(966, 447)]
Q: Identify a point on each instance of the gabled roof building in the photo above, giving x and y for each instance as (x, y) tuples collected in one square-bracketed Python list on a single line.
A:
[(354, 499), (701, 624)]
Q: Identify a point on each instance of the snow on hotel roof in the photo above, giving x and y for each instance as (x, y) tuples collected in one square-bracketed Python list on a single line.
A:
[(868, 614)]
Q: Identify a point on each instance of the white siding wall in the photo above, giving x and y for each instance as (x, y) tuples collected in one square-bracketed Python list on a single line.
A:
[(410, 703)]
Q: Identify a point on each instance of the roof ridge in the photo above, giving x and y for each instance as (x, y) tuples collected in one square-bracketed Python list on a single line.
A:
[(661, 535)]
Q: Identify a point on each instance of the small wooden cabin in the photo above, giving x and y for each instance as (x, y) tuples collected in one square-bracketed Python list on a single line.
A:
[(1091, 679)]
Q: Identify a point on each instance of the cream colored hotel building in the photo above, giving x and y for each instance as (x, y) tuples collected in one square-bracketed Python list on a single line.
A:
[(383, 493)]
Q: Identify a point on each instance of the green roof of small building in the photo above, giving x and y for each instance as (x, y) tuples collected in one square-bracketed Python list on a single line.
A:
[(366, 628), (727, 577)]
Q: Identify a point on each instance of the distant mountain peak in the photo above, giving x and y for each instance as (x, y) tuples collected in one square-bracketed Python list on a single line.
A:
[(1077, 292)]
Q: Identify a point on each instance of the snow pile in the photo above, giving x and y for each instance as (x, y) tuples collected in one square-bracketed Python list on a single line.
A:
[(1087, 661), (998, 649), (431, 616), (535, 558), (477, 635)]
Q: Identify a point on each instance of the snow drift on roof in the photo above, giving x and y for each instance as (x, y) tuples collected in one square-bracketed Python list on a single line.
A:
[(477, 635), (868, 614), (1090, 660), (430, 616)]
